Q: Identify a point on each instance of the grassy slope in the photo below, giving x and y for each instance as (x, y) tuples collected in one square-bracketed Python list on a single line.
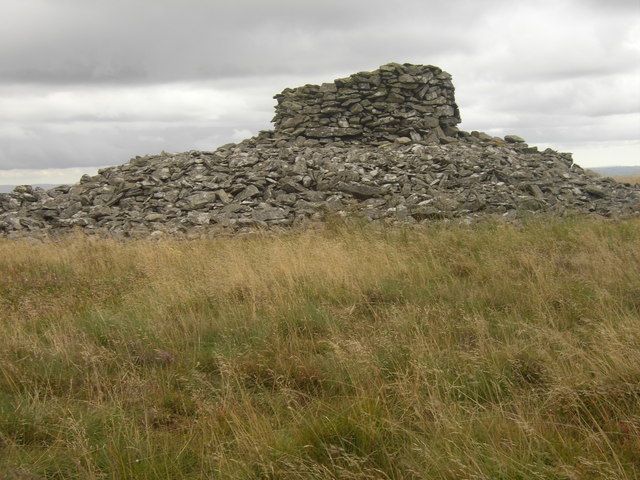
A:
[(449, 352), (633, 179)]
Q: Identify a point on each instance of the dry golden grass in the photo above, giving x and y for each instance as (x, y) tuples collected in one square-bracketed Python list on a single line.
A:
[(633, 179), (349, 352)]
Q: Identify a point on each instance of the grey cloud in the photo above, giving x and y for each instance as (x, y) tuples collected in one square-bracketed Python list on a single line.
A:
[(553, 70), (151, 41), (608, 95), (44, 146), (632, 6)]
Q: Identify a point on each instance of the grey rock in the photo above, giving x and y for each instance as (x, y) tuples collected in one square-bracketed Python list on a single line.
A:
[(199, 218), (155, 217), (248, 192), (596, 191), (267, 213), (360, 190), (223, 196), (328, 132), (199, 200)]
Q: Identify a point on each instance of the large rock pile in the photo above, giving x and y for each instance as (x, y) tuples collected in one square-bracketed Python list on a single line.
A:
[(397, 171), (413, 101)]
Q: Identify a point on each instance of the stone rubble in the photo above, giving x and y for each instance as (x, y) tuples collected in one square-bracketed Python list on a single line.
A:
[(326, 157)]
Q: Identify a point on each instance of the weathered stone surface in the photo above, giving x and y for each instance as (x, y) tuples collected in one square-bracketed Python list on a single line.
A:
[(595, 190), (249, 192), (360, 190), (405, 101), (339, 131), (199, 218), (513, 139), (199, 200), (155, 217), (381, 160)]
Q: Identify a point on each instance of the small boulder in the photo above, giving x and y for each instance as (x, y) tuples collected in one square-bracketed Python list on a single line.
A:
[(513, 139)]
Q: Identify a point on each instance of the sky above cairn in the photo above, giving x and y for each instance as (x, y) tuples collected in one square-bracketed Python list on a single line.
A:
[(85, 84)]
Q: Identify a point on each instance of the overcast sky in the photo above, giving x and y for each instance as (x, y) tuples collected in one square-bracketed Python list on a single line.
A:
[(89, 83)]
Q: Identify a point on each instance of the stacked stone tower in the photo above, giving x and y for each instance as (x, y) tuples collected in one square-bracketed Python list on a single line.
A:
[(412, 102)]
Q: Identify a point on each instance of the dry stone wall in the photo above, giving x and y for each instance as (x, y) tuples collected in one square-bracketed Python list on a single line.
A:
[(393, 103)]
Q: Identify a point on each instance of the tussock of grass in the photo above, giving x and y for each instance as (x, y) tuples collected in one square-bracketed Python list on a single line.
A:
[(490, 351)]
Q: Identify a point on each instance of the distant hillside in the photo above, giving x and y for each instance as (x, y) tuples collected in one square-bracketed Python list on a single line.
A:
[(617, 171)]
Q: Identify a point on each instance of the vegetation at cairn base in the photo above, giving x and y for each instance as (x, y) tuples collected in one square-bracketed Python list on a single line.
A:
[(349, 351)]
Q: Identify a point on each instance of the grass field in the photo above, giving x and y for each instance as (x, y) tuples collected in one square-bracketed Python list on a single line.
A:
[(633, 179), (351, 352)]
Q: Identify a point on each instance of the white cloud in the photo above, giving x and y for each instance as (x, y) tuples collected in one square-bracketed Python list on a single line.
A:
[(160, 103), (240, 134), (597, 155), (51, 176)]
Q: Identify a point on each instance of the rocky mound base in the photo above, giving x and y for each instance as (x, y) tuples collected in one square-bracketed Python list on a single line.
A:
[(286, 177), (257, 184)]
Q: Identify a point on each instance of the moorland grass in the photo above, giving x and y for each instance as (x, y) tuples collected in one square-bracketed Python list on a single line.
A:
[(632, 179), (346, 351)]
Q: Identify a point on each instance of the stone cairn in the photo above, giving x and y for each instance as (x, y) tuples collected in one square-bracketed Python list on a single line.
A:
[(379, 145), (413, 102)]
